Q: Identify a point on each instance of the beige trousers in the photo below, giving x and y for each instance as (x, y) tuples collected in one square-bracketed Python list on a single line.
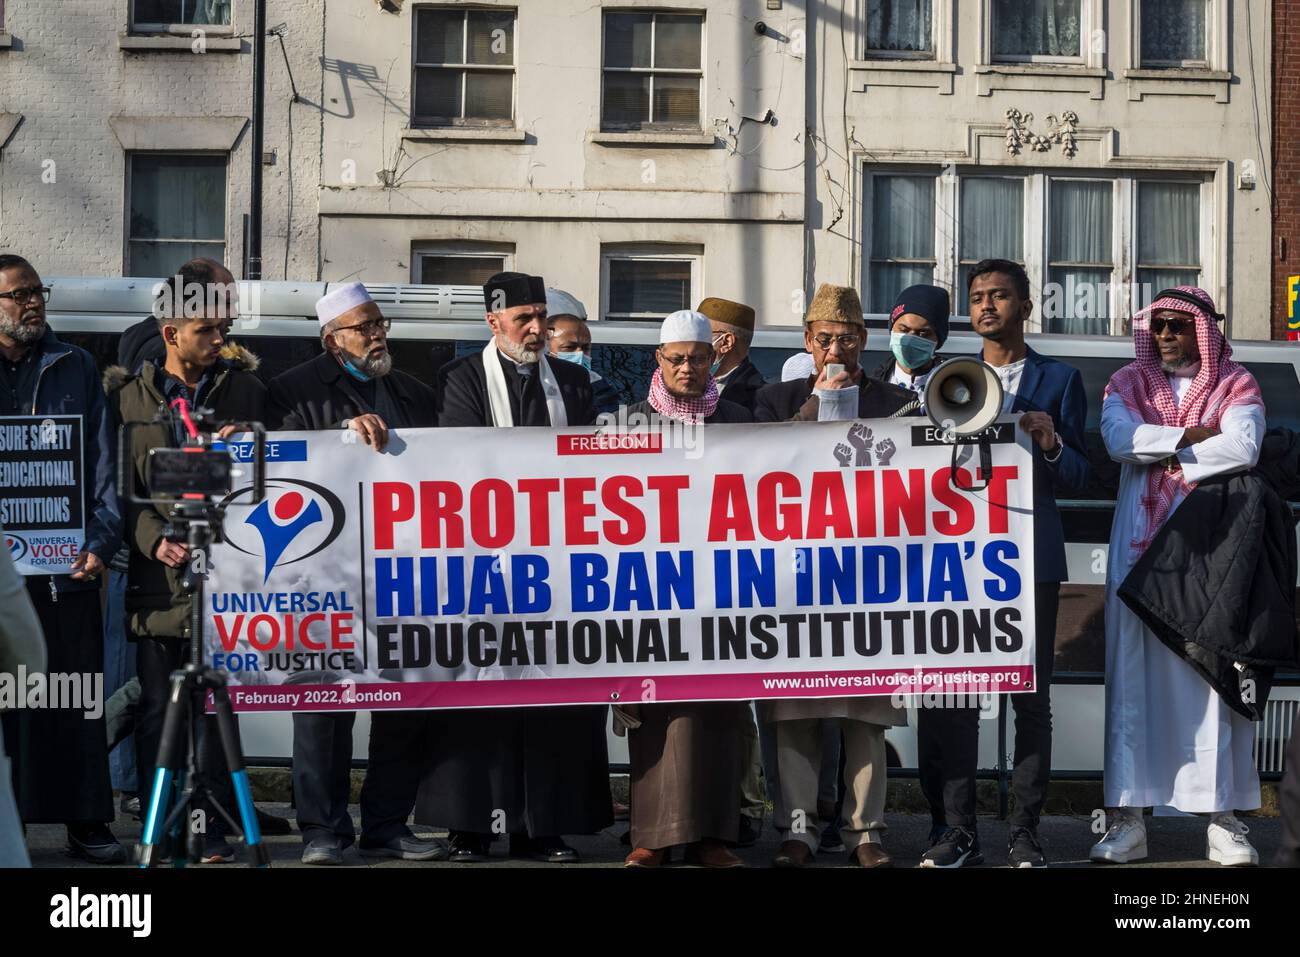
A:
[(799, 756)]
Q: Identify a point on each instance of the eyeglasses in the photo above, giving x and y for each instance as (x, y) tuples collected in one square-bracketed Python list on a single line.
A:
[(24, 296), (371, 327), (1176, 326), (696, 362), (845, 342)]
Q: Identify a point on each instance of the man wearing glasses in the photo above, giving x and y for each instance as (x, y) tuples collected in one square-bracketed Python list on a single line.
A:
[(834, 332), (352, 385), (60, 755)]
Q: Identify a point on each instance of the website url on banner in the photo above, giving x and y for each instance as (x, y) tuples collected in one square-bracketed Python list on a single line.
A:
[(994, 679)]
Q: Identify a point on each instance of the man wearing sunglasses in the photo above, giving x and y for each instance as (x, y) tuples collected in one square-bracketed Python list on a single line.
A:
[(352, 385), (1180, 413), (60, 755)]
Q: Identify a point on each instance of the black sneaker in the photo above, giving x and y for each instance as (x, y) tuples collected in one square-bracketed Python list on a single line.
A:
[(217, 849), (1023, 849), (958, 847), (94, 842)]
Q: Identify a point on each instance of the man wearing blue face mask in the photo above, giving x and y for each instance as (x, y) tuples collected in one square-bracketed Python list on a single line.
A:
[(568, 338), (918, 327)]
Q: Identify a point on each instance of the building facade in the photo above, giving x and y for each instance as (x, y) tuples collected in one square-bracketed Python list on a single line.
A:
[(643, 154)]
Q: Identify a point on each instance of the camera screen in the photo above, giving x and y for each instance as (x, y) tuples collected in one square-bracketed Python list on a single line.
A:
[(180, 472)]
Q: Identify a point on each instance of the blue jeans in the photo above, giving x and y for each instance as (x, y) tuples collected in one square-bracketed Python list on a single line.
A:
[(119, 668)]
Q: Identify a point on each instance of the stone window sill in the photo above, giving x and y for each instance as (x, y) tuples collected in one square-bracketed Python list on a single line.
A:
[(909, 65), (6, 40), (1180, 73), (160, 43), (479, 134), (651, 138), (1041, 69)]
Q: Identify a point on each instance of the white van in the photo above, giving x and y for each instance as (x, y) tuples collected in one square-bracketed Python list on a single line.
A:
[(434, 324)]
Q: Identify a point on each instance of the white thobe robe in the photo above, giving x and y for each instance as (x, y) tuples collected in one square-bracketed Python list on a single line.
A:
[(1170, 739)]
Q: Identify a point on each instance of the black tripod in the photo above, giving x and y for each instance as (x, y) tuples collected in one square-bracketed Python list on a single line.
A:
[(179, 747)]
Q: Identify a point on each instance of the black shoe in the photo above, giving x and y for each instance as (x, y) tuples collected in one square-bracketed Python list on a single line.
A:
[(95, 843), (831, 842), (466, 847), (958, 847), (271, 823), (747, 833), (549, 848), (326, 850), (937, 830), (1023, 849), (216, 849)]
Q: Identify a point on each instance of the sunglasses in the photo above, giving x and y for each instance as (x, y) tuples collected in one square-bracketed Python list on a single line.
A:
[(1176, 326)]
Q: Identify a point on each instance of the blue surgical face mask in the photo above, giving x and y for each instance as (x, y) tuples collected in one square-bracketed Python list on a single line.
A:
[(911, 351), (354, 371), (579, 358)]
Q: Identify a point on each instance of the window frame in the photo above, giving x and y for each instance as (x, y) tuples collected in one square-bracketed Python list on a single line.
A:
[(1216, 33), (651, 126), (465, 67), (458, 249), (128, 198), (654, 252), (183, 29), (1091, 19), (1036, 236), (938, 25)]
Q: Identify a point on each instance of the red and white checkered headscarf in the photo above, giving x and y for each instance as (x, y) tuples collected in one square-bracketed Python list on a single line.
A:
[(1145, 390), (693, 411)]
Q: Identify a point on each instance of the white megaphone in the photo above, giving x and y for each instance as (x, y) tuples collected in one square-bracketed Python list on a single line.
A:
[(964, 397)]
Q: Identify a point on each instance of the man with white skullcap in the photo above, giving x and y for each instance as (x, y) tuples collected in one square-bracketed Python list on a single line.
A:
[(352, 385), (569, 338), (534, 773), (683, 388)]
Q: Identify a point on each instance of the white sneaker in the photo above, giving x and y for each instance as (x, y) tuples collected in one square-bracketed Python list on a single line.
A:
[(1226, 844), (1125, 841)]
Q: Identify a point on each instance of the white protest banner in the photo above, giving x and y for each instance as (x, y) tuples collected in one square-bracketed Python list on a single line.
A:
[(480, 567), (41, 486)]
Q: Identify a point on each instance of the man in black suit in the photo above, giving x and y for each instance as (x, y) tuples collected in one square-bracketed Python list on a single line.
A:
[(534, 773), (733, 332), (353, 385)]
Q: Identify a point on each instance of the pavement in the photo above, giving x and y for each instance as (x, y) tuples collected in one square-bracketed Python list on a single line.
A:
[(1173, 843)]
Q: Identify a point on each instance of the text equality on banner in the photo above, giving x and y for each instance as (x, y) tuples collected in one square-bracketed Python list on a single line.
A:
[(480, 568)]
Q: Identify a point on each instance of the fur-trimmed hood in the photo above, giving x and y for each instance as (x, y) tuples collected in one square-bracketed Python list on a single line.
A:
[(115, 376)]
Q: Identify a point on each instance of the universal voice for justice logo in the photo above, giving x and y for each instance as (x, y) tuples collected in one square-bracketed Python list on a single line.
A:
[(295, 521), (17, 547)]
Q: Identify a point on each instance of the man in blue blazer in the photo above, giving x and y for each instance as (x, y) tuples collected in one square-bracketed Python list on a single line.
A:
[(1049, 394)]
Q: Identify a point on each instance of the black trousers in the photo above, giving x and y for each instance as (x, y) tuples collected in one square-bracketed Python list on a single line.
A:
[(155, 660), (948, 738), (322, 773)]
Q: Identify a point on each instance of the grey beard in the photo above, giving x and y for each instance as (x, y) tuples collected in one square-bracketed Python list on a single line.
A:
[(519, 354), (366, 365), (1169, 368), (19, 332)]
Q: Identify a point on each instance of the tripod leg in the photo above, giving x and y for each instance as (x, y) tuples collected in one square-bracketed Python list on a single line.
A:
[(239, 777), (169, 747)]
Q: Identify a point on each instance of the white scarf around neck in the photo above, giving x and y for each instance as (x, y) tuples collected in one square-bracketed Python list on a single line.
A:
[(499, 393)]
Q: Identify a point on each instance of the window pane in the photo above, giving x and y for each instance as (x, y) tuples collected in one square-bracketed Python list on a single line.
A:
[(492, 36), (1036, 27), (1152, 281), (903, 217), (627, 98), (439, 36), (178, 197), (1077, 301), (653, 286), (437, 94), (677, 100), (1081, 231), (1173, 30), (163, 259), (214, 12), (992, 226), (1169, 224), (889, 279), (677, 42), (489, 96), (898, 25), (459, 270), (627, 39)]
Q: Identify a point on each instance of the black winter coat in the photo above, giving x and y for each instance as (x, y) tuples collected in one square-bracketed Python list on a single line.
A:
[(725, 413), (318, 394), (1218, 585), (742, 384), (795, 401)]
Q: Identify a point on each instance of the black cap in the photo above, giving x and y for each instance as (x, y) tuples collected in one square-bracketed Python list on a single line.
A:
[(506, 290), (931, 303)]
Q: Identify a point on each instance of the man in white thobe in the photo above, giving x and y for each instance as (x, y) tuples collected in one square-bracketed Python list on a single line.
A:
[(1179, 414)]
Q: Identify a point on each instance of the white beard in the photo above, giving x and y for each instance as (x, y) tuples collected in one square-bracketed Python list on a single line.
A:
[(518, 354)]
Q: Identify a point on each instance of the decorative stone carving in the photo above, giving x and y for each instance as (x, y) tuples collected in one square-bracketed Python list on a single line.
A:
[(1061, 130)]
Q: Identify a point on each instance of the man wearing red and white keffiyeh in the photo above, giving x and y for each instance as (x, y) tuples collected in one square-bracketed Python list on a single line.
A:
[(1182, 412)]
